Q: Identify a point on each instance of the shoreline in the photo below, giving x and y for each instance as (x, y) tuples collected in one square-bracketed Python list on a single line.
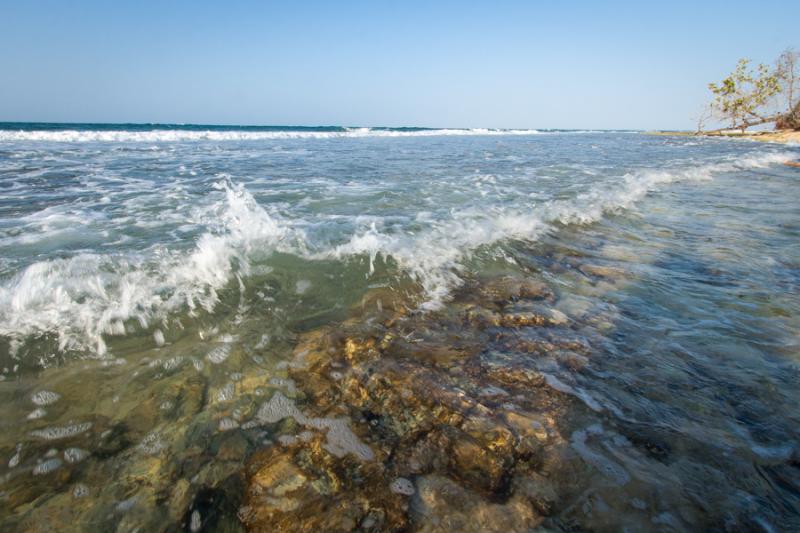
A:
[(775, 136)]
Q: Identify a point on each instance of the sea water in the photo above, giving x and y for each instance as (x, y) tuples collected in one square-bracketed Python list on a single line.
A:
[(148, 273)]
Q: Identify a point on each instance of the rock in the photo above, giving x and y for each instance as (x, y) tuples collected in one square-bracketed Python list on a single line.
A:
[(384, 302), (303, 491), (510, 289), (429, 454), (524, 319), (179, 498), (531, 431), (279, 478), (538, 490), (480, 317), (436, 352), (600, 271), (233, 446), (532, 316), (406, 420), (441, 505), (478, 466)]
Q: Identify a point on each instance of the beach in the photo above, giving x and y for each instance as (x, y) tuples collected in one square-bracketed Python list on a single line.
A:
[(781, 136), (771, 136)]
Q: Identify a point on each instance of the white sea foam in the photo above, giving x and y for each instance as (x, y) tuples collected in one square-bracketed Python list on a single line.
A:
[(436, 256), (45, 467), (75, 455), (45, 397), (85, 297), (182, 135), (339, 438), (89, 296), (63, 432)]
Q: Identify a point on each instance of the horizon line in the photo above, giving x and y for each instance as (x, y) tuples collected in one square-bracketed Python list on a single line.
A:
[(316, 126)]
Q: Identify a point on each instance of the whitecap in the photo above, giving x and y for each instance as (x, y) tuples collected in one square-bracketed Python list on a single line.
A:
[(88, 296), (184, 135)]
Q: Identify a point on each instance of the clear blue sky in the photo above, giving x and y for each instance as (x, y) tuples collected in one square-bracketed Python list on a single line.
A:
[(566, 64)]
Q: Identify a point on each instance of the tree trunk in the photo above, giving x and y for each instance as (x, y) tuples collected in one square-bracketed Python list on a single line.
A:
[(743, 125)]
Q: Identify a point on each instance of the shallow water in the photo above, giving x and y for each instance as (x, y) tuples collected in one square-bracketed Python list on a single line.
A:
[(182, 309)]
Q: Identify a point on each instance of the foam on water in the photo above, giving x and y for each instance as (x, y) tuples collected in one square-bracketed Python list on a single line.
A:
[(75, 455), (45, 467), (45, 397), (62, 432), (435, 256), (339, 438), (185, 135), (84, 298)]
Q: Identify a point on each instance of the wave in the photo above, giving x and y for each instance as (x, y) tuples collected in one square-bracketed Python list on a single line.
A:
[(89, 296), (189, 135), (436, 257), (85, 297)]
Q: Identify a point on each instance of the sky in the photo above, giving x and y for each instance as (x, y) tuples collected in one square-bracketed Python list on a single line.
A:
[(496, 64)]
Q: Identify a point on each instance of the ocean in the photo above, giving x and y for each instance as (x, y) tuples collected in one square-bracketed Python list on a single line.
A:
[(331, 328)]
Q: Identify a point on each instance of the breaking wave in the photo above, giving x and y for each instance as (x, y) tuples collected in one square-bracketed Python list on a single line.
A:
[(436, 257), (188, 135), (86, 297)]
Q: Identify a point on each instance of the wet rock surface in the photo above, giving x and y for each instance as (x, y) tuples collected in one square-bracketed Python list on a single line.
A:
[(472, 417), (392, 420), (460, 440)]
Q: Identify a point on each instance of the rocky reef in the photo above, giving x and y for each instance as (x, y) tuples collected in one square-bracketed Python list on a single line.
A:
[(428, 422), (392, 420)]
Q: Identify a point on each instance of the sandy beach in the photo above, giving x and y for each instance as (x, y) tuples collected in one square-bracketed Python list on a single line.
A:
[(775, 136), (778, 136)]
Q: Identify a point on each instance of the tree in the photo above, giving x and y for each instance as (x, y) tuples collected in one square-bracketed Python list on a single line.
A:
[(788, 70), (742, 96), (706, 114)]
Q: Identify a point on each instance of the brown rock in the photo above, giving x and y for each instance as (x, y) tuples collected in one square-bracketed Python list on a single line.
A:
[(509, 289), (441, 505), (600, 271), (479, 467)]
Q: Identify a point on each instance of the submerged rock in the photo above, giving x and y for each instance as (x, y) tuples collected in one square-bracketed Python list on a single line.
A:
[(305, 490), (392, 420), (509, 289), (424, 394), (600, 271), (442, 505)]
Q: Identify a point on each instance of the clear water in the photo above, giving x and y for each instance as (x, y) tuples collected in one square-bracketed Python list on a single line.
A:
[(147, 269)]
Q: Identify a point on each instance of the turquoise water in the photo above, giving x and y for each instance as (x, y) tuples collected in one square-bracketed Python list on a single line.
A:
[(135, 259)]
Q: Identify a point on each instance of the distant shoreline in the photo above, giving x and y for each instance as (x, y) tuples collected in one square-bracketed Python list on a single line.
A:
[(776, 136)]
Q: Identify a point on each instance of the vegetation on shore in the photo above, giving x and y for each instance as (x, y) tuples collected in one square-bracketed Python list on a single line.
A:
[(754, 97), (750, 97)]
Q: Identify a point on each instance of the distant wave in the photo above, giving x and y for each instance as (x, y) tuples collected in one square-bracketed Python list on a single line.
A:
[(187, 134)]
